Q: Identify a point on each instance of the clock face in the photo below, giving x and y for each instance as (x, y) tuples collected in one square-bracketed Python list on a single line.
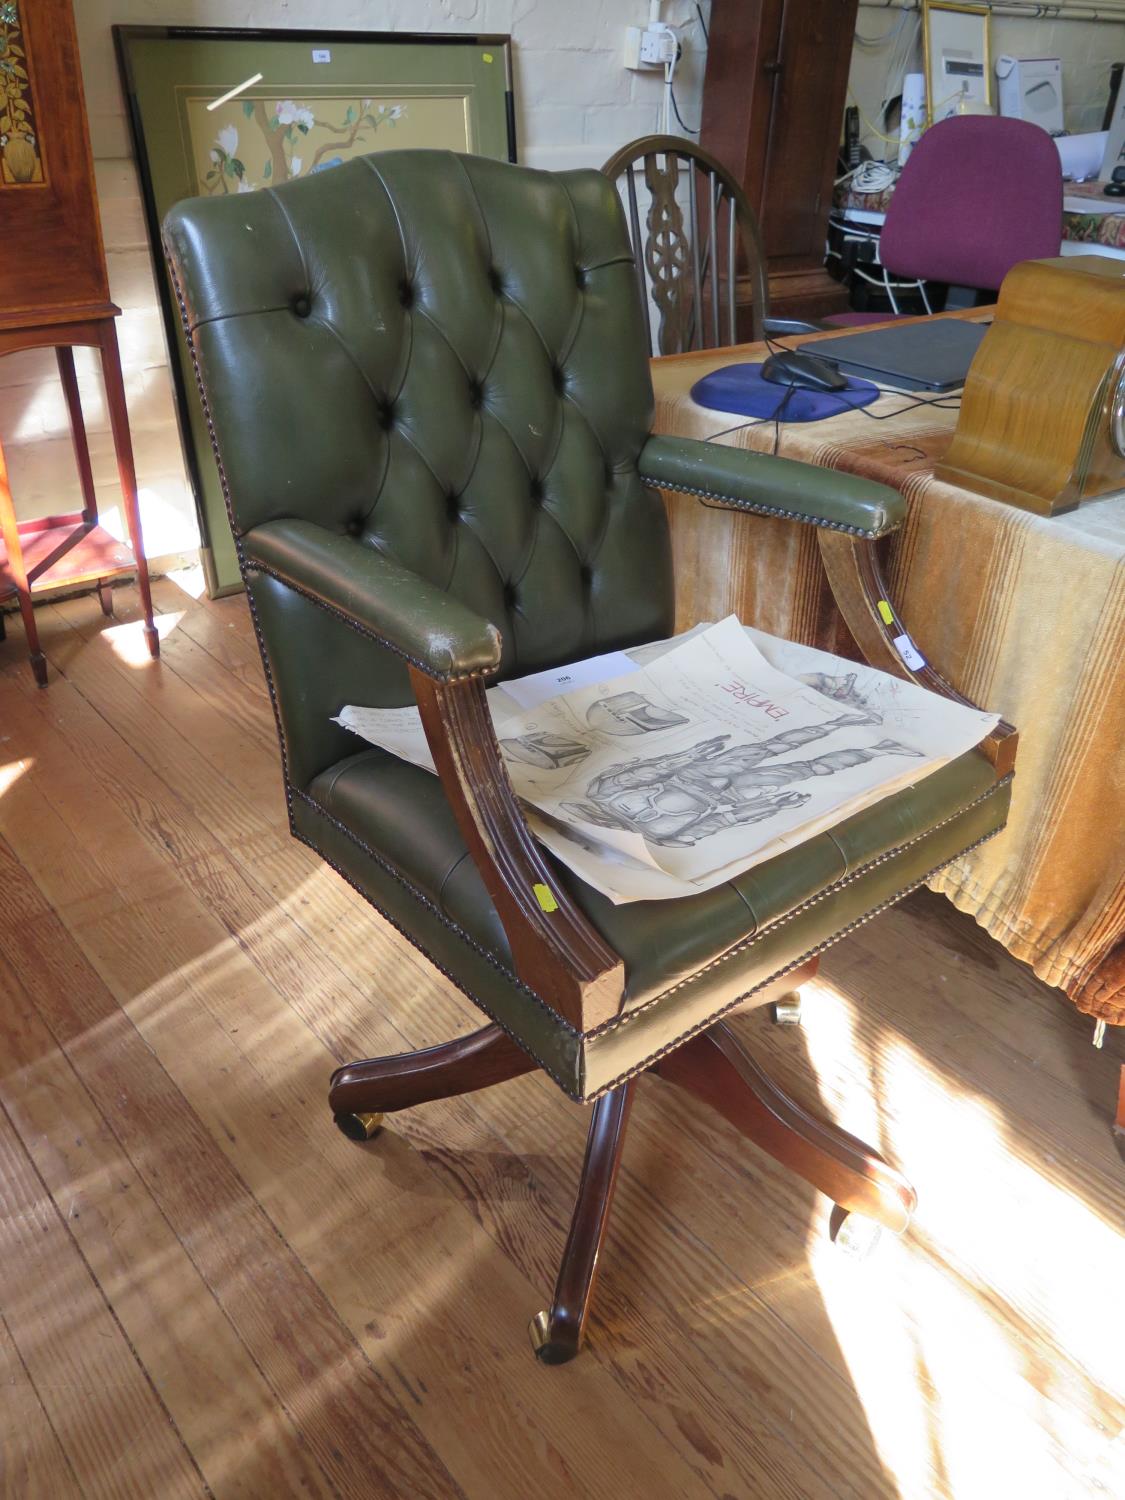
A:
[(1117, 408)]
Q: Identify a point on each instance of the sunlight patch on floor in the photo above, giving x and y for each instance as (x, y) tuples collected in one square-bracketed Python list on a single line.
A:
[(189, 580), (11, 773), (962, 1393), (128, 639), (167, 521)]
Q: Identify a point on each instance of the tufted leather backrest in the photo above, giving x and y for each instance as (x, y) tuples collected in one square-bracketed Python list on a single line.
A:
[(443, 358)]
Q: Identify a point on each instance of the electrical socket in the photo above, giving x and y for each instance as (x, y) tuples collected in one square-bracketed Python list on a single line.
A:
[(649, 47)]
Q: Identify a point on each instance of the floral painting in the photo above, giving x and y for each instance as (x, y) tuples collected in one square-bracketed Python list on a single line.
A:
[(21, 161), (250, 143)]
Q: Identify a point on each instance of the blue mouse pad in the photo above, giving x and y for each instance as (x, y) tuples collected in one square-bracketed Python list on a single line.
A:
[(741, 389)]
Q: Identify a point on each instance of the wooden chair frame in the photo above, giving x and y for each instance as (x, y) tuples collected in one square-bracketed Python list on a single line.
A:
[(663, 249), (560, 955)]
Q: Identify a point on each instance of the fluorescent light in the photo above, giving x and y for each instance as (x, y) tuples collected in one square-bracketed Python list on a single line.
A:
[(231, 93)]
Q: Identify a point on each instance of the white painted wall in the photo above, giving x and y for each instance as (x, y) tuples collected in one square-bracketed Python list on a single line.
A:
[(1087, 48), (576, 104)]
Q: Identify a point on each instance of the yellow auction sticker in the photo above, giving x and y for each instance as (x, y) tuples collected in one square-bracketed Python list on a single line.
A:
[(544, 896)]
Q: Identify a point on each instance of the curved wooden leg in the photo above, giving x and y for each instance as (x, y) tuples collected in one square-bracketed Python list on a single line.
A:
[(105, 597), (716, 1068), (556, 1334), (360, 1092)]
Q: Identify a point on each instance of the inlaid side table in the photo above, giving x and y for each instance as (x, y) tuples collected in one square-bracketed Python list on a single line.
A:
[(73, 549)]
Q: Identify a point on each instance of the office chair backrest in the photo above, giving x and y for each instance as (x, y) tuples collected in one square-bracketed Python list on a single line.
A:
[(441, 357), (693, 233), (978, 194)]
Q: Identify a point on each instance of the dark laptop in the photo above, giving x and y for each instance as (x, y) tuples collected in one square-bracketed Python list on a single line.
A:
[(933, 356)]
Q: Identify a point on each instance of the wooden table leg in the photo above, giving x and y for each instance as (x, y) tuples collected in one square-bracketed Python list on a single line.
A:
[(64, 354), (19, 573), (123, 447)]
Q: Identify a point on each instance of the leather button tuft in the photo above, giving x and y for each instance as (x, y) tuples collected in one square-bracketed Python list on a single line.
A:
[(453, 506), (476, 394), (509, 596), (581, 277), (386, 411), (302, 304), (535, 490), (354, 526), (406, 293), (496, 281), (558, 379), (586, 575)]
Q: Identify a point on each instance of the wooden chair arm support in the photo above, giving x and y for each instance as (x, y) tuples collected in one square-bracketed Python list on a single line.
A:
[(557, 953), (857, 584)]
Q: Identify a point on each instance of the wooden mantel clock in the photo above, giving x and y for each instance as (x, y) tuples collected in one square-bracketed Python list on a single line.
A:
[(54, 293), (1042, 420)]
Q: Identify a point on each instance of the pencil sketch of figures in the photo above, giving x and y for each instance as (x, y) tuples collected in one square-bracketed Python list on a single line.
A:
[(550, 751), (680, 799), (631, 713), (840, 690)]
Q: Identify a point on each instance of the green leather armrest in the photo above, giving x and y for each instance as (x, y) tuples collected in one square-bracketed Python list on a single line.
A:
[(430, 628), (773, 486)]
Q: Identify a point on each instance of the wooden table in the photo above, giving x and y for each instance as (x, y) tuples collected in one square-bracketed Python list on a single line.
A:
[(1023, 614)]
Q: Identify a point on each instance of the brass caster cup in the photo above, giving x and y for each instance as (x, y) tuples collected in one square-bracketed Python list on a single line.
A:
[(853, 1235), (787, 1011), (548, 1351), (359, 1127)]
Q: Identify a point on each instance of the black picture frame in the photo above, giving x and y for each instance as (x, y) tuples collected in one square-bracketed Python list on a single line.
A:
[(216, 544)]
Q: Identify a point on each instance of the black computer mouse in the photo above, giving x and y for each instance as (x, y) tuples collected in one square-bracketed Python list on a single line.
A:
[(806, 371), (1114, 190)]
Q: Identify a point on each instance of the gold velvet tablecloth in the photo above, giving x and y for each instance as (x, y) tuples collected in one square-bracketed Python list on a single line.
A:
[(1025, 615)]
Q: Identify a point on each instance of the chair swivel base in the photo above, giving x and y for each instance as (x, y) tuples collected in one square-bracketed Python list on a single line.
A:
[(715, 1068)]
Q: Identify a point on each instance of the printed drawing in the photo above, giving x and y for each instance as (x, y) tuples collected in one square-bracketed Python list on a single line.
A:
[(254, 142), (679, 799), (550, 751), (631, 713), (840, 690)]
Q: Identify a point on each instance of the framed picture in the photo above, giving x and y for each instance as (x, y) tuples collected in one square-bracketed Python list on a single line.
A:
[(958, 59), (234, 111)]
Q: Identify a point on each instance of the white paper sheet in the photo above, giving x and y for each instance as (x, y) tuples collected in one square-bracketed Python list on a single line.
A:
[(708, 754)]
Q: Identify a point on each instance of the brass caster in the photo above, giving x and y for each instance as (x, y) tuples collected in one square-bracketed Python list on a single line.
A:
[(787, 1011), (548, 1350), (359, 1127), (853, 1235)]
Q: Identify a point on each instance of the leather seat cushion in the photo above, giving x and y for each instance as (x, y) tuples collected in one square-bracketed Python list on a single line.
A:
[(401, 811)]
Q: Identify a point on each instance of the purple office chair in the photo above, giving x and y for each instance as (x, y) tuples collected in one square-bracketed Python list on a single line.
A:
[(978, 194)]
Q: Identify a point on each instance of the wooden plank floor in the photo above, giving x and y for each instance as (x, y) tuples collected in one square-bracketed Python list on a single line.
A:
[(206, 1290)]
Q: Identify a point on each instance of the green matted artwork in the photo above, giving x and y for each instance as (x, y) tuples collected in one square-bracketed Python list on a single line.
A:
[(234, 111)]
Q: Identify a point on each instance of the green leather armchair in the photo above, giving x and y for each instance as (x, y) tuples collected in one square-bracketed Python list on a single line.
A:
[(427, 382)]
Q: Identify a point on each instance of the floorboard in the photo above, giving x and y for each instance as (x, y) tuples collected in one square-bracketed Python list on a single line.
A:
[(208, 1291)]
